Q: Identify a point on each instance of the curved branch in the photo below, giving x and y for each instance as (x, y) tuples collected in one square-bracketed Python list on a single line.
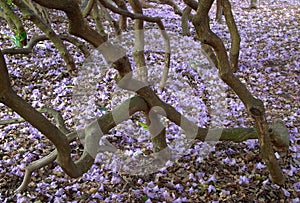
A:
[(37, 120), (77, 24), (110, 19), (35, 39), (55, 114), (43, 25), (39, 164), (132, 15), (186, 16), (98, 21), (234, 35), (191, 3), (161, 26), (88, 8), (254, 106), (123, 20), (5, 85)]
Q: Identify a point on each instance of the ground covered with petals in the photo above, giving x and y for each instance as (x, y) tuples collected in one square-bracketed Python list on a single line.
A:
[(208, 172)]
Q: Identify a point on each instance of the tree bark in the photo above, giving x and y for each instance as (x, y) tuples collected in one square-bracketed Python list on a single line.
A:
[(254, 106), (139, 42), (253, 4)]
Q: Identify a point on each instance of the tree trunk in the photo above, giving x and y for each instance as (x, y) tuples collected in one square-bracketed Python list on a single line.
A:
[(253, 4)]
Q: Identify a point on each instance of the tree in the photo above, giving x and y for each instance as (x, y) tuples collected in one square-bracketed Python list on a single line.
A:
[(146, 99), (253, 4)]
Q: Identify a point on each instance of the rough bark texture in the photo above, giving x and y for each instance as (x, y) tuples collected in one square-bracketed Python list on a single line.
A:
[(219, 11), (123, 19), (254, 106), (185, 21), (253, 4), (234, 35), (139, 42)]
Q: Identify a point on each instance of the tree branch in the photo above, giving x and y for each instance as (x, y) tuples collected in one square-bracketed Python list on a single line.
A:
[(254, 106), (35, 39), (40, 23), (234, 35), (77, 24)]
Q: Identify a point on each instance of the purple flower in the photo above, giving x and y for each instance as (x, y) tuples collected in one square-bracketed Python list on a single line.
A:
[(229, 161), (180, 200), (148, 201), (260, 166), (58, 200), (297, 186), (192, 177), (97, 195), (212, 179), (286, 193), (22, 199), (178, 187), (166, 194), (211, 188), (151, 184), (243, 180), (190, 190), (59, 192), (115, 180)]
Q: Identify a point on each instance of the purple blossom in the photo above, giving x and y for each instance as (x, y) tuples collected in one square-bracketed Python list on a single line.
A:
[(286, 193), (200, 174), (166, 194), (190, 190), (58, 200), (243, 180), (243, 168), (251, 144), (211, 188), (22, 199), (260, 166), (155, 189), (180, 200), (178, 187), (229, 161), (211, 179), (115, 180), (192, 177), (297, 186)]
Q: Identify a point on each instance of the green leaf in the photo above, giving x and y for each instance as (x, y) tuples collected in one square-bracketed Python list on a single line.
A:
[(23, 36), (144, 198), (70, 86), (102, 108), (9, 2), (144, 125), (258, 177)]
